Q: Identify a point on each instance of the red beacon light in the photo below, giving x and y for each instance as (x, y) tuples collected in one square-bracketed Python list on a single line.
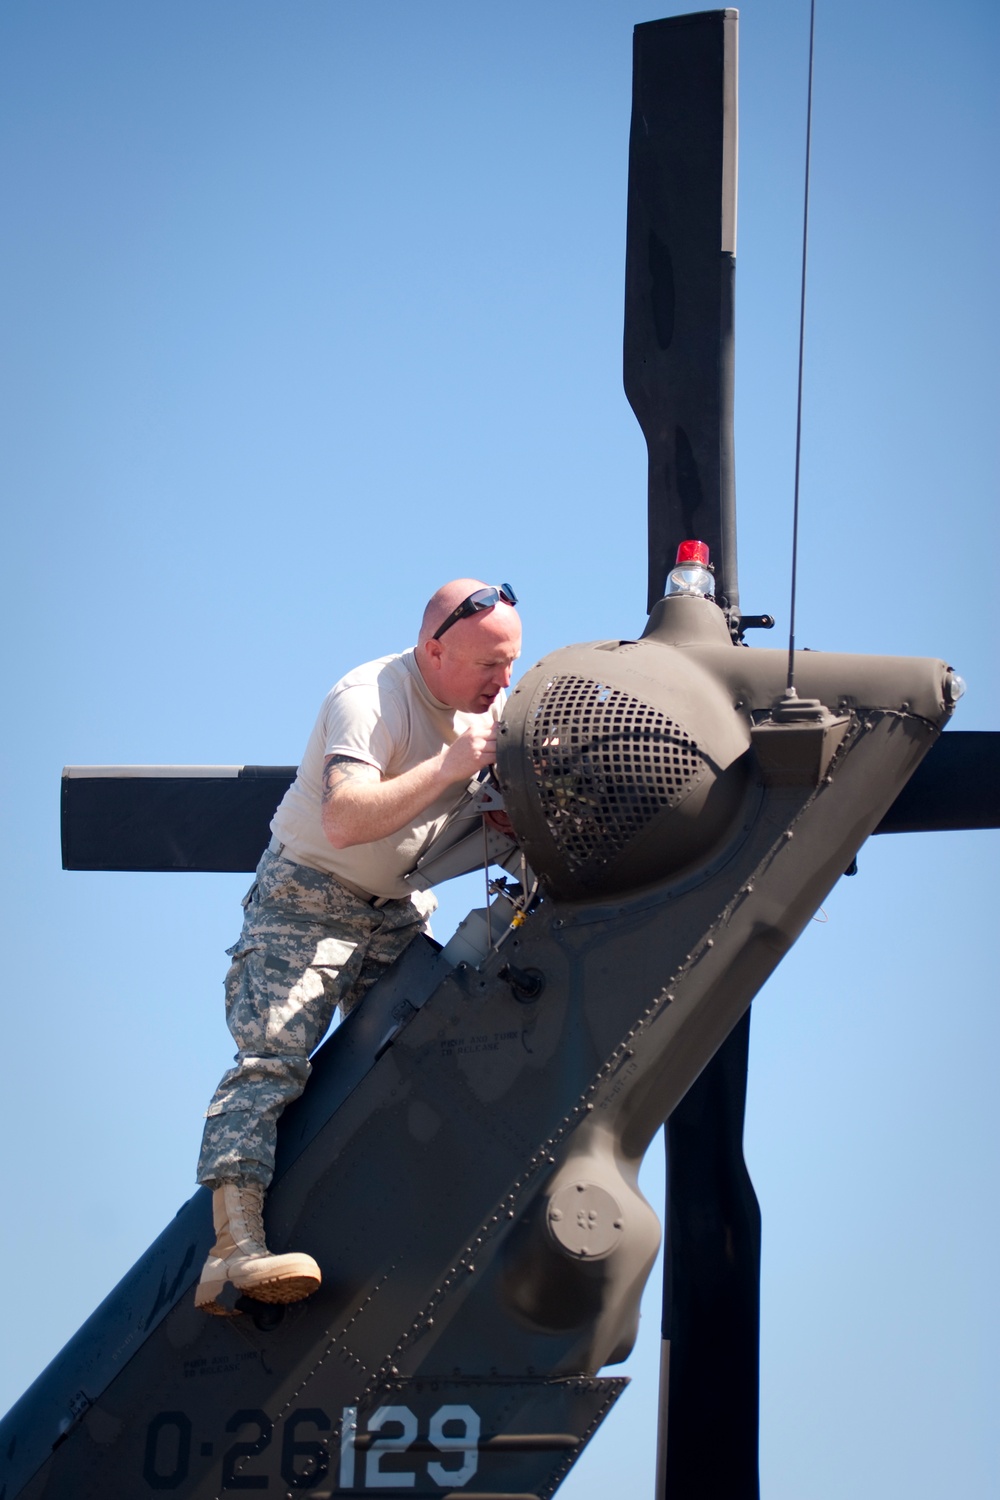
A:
[(691, 573), (693, 552)]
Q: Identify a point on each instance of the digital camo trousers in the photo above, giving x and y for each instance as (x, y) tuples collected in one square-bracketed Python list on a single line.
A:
[(307, 945)]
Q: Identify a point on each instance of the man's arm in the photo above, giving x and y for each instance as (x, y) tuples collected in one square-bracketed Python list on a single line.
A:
[(359, 807)]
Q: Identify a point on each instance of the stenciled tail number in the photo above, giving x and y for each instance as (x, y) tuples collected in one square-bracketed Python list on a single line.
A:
[(454, 1431)]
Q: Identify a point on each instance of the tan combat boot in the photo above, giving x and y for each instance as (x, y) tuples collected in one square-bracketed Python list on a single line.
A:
[(241, 1258)]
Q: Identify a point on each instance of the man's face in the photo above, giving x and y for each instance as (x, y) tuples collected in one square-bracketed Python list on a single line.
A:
[(472, 661)]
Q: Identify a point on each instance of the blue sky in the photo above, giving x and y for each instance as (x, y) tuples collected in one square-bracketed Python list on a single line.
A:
[(309, 306)]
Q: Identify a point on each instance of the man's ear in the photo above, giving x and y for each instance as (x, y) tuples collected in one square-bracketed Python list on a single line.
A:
[(433, 652)]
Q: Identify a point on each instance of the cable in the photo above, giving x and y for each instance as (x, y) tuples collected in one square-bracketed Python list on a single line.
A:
[(486, 873), (802, 339)]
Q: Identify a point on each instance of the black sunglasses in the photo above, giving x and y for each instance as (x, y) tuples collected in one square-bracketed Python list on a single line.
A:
[(481, 599)]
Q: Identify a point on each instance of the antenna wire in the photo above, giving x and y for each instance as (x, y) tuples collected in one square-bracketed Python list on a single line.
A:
[(802, 340)]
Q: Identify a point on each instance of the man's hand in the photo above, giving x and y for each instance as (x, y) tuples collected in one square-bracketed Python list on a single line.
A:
[(470, 753)]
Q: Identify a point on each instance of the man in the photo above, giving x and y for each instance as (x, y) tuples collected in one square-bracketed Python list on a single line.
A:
[(394, 747)]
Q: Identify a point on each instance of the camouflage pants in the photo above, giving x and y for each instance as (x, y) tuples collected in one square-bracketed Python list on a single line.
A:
[(307, 945)]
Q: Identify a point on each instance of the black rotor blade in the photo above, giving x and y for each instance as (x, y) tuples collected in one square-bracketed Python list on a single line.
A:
[(709, 1383), (679, 285), (169, 817), (217, 817), (956, 786)]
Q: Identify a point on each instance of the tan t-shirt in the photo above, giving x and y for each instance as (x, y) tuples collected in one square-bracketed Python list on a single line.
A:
[(383, 714)]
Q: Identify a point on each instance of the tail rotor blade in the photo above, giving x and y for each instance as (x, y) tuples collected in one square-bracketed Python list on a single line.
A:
[(709, 1389), (679, 285), (168, 817), (957, 786)]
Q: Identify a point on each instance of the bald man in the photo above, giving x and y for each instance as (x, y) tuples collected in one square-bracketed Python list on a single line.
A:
[(396, 743)]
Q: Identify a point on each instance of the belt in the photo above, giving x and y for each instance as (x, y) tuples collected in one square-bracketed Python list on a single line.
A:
[(276, 847)]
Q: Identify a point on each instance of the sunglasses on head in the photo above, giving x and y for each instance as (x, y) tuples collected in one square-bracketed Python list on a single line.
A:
[(478, 600)]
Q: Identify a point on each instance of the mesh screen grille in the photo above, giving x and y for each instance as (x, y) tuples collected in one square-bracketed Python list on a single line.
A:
[(606, 764)]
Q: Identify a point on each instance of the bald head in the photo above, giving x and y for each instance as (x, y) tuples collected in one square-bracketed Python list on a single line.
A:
[(471, 662), (440, 605)]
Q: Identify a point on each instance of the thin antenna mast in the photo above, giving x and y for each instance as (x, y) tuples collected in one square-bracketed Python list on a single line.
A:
[(790, 690)]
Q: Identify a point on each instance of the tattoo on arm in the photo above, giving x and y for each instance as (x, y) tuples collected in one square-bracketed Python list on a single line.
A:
[(340, 768)]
